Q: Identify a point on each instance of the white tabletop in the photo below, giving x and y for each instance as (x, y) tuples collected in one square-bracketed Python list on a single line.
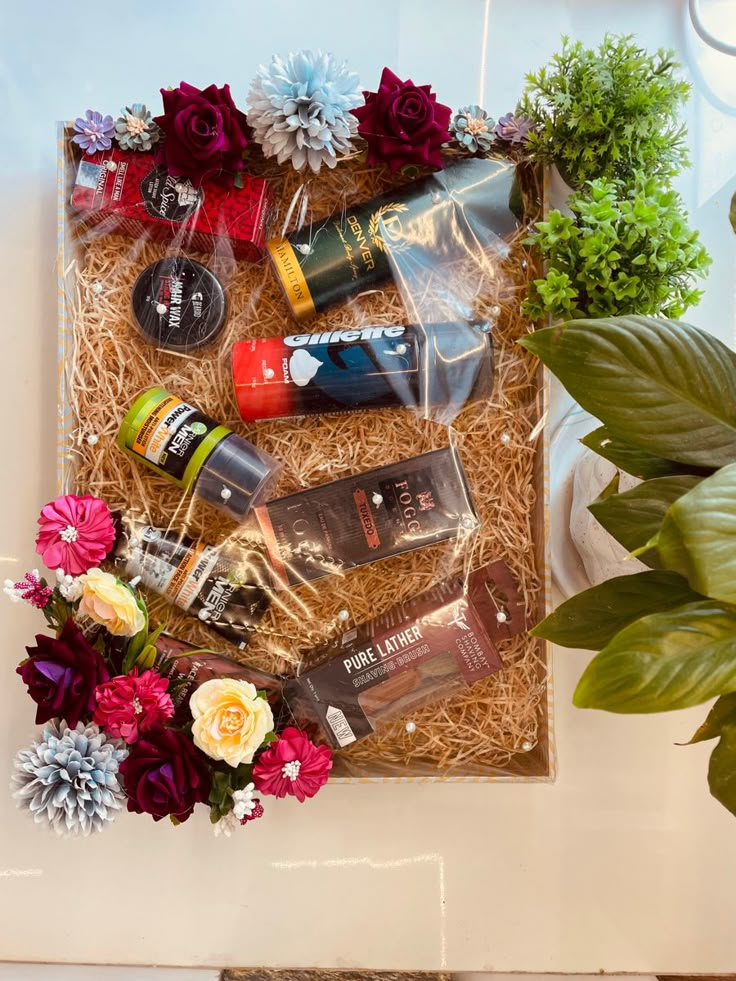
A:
[(625, 864)]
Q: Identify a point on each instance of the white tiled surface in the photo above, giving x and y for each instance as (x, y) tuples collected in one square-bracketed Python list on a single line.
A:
[(625, 864)]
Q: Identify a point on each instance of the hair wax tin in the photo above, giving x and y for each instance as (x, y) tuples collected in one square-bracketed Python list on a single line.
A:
[(196, 453), (178, 304)]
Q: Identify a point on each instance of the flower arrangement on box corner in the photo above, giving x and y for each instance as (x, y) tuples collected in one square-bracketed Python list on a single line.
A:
[(116, 731), (665, 393), (307, 110)]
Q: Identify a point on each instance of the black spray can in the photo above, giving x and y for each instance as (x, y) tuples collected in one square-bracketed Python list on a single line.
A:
[(433, 220)]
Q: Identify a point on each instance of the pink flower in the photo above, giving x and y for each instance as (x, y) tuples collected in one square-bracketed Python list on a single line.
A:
[(31, 589), (293, 765), (76, 533), (256, 813), (130, 704)]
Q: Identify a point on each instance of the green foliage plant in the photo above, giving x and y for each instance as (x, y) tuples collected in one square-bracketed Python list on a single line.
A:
[(665, 393), (607, 112), (624, 250)]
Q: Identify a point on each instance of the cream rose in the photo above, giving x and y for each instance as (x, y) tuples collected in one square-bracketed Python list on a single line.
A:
[(230, 720), (110, 603)]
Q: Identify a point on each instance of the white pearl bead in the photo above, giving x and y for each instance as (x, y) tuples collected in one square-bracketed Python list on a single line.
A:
[(505, 438), (93, 439), (501, 617), (161, 309), (269, 373), (111, 165), (411, 727), (343, 615), (226, 493), (527, 746)]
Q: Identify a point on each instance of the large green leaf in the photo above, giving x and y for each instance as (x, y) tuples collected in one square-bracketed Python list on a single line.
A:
[(636, 462), (698, 536), (635, 516), (668, 660), (660, 385), (722, 769), (722, 714), (593, 618)]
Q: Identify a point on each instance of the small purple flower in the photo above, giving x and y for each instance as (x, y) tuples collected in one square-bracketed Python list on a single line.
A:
[(513, 129), (31, 589), (94, 131)]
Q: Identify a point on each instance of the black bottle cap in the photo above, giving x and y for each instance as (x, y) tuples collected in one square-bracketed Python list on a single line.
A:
[(178, 304)]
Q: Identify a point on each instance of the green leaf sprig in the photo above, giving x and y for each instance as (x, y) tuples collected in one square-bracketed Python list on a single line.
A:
[(624, 250)]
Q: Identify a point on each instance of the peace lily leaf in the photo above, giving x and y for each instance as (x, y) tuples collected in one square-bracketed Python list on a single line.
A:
[(669, 660), (698, 536), (659, 385), (635, 516), (592, 619), (638, 463), (722, 769), (722, 714)]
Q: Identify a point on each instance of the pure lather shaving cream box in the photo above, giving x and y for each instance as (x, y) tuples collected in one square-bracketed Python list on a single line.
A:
[(417, 651)]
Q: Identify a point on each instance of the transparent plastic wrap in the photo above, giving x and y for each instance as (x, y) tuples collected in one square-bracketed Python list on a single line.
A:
[(303, 399)]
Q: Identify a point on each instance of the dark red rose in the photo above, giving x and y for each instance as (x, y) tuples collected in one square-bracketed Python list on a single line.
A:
[(205, 133), (403, 123), (165, 774), (62, 675)]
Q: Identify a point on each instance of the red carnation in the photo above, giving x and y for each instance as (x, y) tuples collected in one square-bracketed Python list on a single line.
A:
[(205, 133), (131, 704), (293, 765), (403, 123)]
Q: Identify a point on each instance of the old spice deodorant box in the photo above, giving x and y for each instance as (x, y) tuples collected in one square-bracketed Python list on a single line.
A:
[(128, 194), (419, 366)]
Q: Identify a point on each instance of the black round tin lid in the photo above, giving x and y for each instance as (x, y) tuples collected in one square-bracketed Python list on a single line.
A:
[(178, 304)]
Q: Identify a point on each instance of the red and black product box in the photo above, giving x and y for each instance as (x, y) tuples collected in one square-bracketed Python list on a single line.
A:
[(330, 529), (442, 640), (128, 194)]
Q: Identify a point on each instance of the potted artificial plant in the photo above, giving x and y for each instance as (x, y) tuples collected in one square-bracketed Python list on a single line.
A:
[(665, 393)]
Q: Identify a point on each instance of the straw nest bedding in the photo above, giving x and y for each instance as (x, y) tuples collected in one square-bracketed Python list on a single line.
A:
[(488, 729)]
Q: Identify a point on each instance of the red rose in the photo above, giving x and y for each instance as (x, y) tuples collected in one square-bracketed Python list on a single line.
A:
[(165, 774), (205, 133), (62, 675), (403, 123)]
